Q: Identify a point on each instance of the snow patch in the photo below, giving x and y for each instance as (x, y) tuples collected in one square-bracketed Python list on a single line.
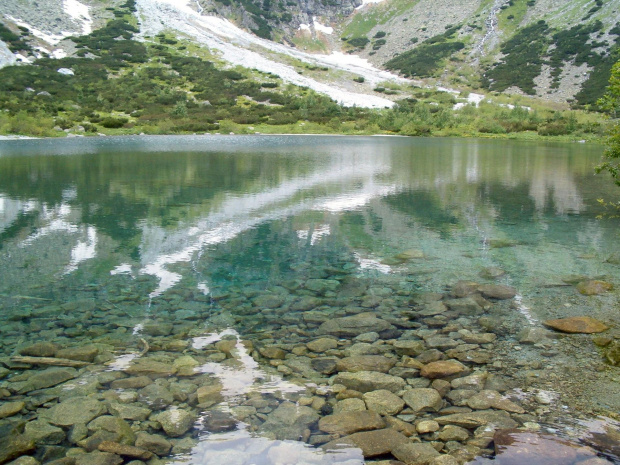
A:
[(79, 13), (51, 39), (324, 29), (472, 99), (368, 2), (242, 48), (66, 71)]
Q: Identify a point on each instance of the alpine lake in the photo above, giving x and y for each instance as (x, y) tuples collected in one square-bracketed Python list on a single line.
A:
[(272, 300)]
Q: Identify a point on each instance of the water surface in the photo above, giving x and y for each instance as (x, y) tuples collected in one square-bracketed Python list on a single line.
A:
[(181, 242)]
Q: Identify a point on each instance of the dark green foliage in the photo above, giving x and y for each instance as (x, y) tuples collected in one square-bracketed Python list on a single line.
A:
[(522, 62), (611, 103), (377, 44), (114, 122), (359, 42), (13, 41), (359, 79), (424, 60), (379, 35), (594, 88), (598, 5)]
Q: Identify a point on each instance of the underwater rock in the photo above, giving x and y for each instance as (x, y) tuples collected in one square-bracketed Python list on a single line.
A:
[(321, 286), (423, 400), (497, 291), (464, 288), (613, 353), (410, 255), (516, 447), (125, 450), (146, 366), (366, 381), (85, 353), (289, 421), (492, 399), (129, 412), (415, 453), (41, 432), (383, 402), (98, 458), (210, 395), (13, 443), (594, 287), (154, 443), (492, 273), (74, 410), (453, 433), (442, 369), (175, 421), (499, 419), (366, 363), (427, 426), (321, 345), (216, 421), (372, 443), (272, 352), (268, 301), (577, 324), (40, 349), (118, 427), (409, 347), (352, 326), (9, 409), (156, 396), (47, 378), (346, 423)]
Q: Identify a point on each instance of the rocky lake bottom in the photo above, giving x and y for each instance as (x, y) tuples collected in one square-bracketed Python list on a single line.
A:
[(333, 369)]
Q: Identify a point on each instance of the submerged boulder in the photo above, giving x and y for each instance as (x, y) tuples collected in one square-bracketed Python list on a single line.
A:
[(351, 326), (577, 324)]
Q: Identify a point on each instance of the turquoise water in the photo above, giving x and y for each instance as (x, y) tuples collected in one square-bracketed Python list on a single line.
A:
[(156, 248)]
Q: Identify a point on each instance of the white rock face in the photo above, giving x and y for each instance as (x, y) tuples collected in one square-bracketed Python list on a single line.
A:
[(6, 57)]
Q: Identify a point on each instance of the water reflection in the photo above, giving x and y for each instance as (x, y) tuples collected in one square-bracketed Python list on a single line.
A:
[(165, 212)]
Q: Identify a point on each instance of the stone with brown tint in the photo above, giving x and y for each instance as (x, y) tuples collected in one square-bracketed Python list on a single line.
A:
[(577, 324), (125, 450), (497, 291), (442, 369), (365, 363), (594, 287), (372, 443), (516, 447), (351, 422)]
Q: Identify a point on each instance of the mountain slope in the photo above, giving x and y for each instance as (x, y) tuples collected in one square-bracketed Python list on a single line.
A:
[(352, 50)]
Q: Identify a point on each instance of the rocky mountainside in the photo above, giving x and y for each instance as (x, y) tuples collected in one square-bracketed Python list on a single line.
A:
[(558, 50)]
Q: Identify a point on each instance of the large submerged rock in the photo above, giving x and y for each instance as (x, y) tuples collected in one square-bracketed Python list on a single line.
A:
[(577, 324), (351, 326)]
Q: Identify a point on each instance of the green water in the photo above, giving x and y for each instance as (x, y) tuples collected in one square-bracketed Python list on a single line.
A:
[(181, 241)]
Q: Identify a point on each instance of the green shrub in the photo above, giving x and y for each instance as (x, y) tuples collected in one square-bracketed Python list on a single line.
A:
[(113, 123), (359, 42), (554, 129), (424, 60)]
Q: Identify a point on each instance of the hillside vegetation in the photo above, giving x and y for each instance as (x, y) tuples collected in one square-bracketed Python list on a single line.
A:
[(115, 84)]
